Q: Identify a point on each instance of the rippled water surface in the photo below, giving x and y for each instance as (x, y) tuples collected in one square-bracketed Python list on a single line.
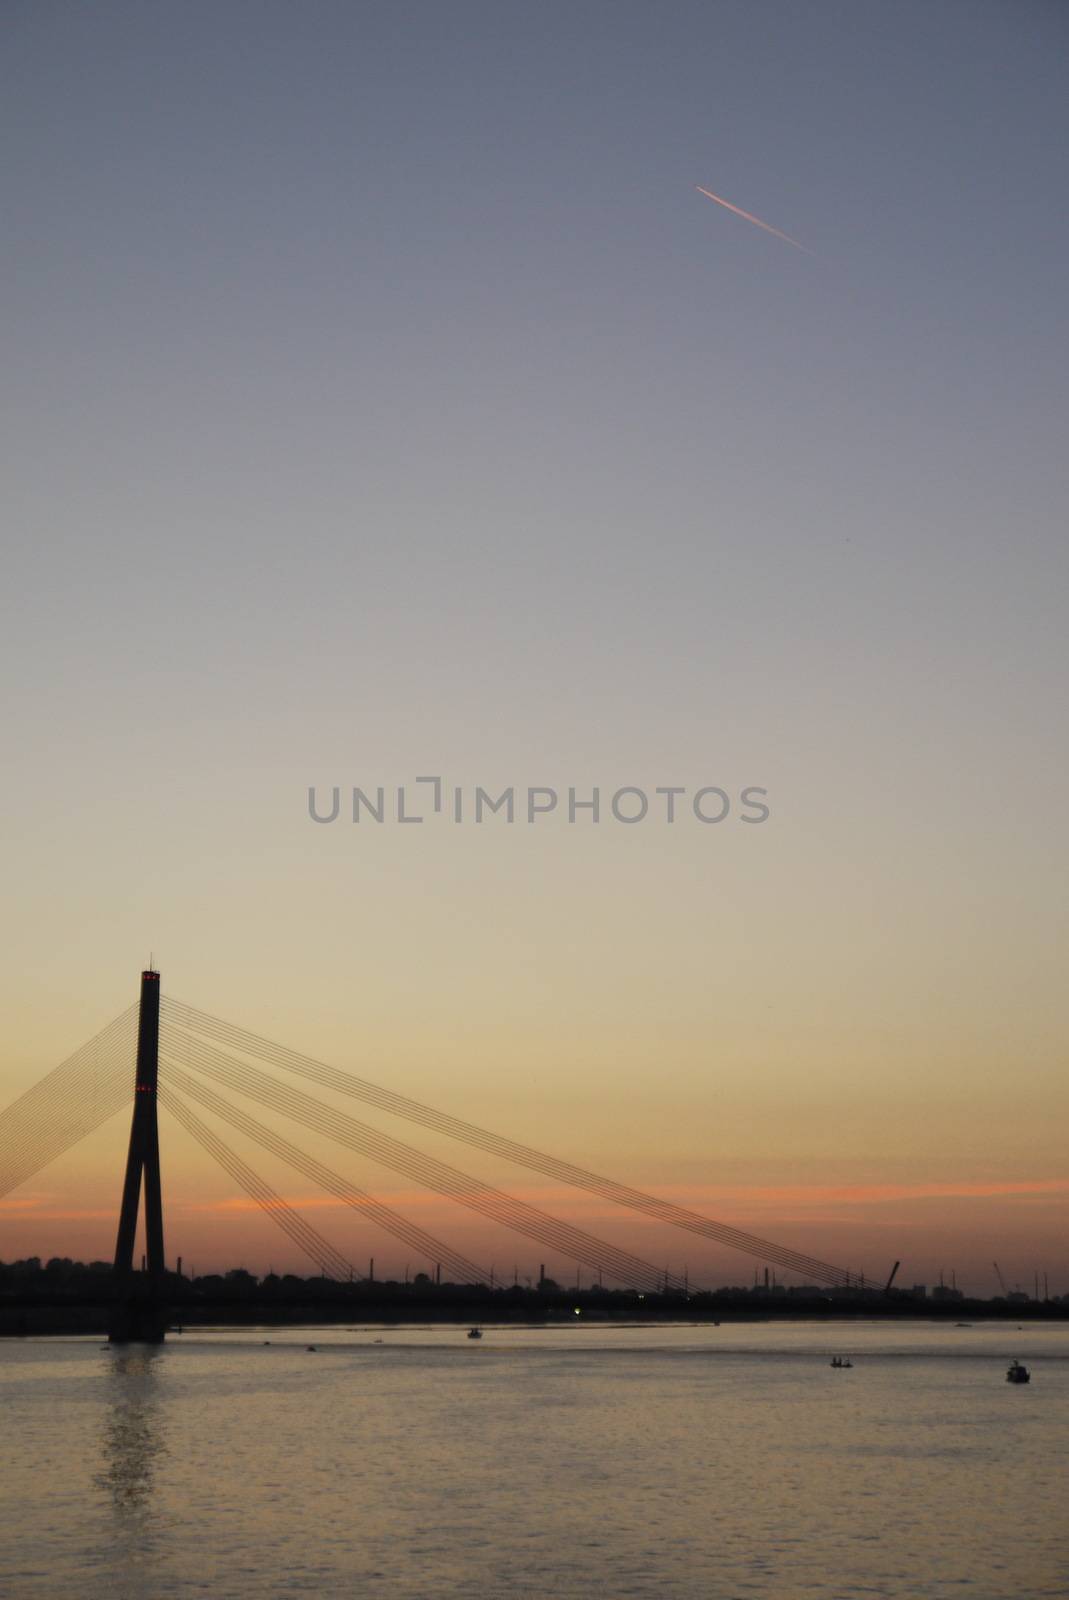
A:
[(660, 1462)]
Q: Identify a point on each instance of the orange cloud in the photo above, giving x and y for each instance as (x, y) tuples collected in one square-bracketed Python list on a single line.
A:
[(872, 1193)]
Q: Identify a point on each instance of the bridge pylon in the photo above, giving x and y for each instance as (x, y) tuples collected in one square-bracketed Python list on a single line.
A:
[(139, 1313)]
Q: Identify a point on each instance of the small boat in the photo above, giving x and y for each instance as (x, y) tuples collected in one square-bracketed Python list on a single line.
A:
[(840, 1364), (1016, 1373), (474, 1333)]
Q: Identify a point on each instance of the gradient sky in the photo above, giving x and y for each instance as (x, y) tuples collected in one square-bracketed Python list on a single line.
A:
[(380, 398)]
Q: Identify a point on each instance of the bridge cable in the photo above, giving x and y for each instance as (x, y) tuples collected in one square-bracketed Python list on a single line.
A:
[(298, 1229), (35, 1107), (472, 1192), (449, 1181), (524, 1155), (87, 1102), (409, 1233), (68, 1103)]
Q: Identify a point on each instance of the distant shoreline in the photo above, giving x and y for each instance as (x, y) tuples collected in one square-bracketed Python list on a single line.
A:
[(34, 1316)]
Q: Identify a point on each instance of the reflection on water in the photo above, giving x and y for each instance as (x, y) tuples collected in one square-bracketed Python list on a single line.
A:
[(133, 1431)]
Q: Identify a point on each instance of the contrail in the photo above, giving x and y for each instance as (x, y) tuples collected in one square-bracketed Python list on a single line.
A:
[(709, 195)]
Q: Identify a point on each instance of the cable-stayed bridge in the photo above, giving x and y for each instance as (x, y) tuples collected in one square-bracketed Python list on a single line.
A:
[(192, 1062)]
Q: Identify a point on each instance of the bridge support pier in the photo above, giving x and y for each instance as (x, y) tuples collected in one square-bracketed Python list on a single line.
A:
[(139, 1312)]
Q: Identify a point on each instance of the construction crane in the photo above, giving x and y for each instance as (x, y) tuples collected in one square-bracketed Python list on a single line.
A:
[(891, 1279), (1001, 1281)]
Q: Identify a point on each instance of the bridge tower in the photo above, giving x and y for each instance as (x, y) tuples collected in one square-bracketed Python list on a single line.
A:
[(139, 1313)]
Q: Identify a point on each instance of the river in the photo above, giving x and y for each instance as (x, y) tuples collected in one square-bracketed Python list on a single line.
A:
[(668, 1463)]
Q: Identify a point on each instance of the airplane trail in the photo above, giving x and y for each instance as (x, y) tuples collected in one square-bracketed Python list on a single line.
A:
[(756, 220)]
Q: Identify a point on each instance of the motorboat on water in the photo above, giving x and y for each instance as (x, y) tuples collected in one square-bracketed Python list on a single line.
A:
[(841, 1363), (1016, 1373), (474, 1333)]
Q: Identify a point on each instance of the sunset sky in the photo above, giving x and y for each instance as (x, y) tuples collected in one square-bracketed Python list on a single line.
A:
[(383, 400)]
